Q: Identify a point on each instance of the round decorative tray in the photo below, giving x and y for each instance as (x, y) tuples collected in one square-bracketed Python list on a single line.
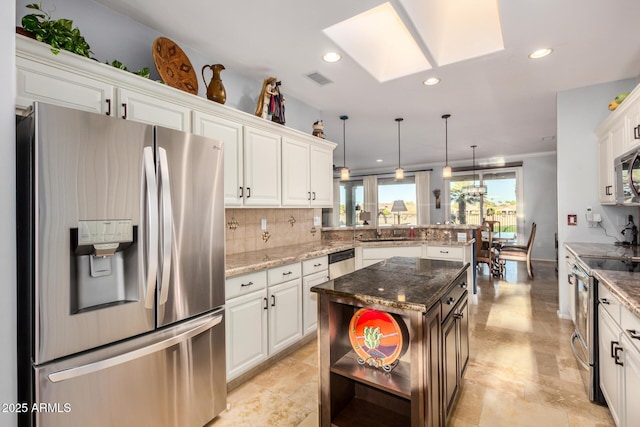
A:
[(173, 66), (378, 338)]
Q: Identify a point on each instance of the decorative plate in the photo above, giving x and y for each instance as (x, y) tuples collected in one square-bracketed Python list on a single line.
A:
[(377, 337), (173, 66)]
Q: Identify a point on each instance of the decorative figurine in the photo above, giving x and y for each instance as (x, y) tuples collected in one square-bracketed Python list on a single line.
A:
[(276, 106), (215, 88), (318, 129), (264, 100)]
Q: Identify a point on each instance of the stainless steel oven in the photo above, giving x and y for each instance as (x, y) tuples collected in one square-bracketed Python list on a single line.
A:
[(583, 341), (627, 176)]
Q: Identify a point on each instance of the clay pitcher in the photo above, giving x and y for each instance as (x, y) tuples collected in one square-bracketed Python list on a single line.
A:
[(215, 88)]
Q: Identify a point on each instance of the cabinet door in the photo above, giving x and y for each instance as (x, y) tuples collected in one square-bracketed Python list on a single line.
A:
[(450, 363), (39, 82), (321, 177), (246, 332), (148, 109), (608, 336), (434, 404), (310, 301), (631, 383), (285, 315), (632, 139), (606, 190), (230, 134), (295, 173), (463, 329), (261, 168)]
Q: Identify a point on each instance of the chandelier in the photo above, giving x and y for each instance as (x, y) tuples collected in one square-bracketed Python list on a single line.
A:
[(473, 189)]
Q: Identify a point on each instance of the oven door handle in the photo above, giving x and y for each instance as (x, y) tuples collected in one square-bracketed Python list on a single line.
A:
[(575, 352)]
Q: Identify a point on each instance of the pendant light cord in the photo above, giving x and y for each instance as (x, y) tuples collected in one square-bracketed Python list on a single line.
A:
[(446, 139), (399, 120), (344, 140)]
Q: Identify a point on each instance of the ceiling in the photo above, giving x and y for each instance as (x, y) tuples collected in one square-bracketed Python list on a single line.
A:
[(503, 102)]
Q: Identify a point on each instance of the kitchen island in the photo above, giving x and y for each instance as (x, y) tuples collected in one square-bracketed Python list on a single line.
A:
[(428, 299)]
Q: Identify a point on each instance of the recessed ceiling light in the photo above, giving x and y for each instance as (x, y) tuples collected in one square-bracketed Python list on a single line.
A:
[(431, 81), (331, 57), (540, 53), (379, 160)]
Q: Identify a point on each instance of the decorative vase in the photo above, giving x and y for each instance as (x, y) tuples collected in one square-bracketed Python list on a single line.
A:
[(215, 88)]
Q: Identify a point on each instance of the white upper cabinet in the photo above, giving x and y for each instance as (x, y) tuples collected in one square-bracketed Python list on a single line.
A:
[(261, 168), (307, 174), (230, 133), (296, 187), (321, 177), (140, 107), (39, 82), (252, 147), (606, 179)]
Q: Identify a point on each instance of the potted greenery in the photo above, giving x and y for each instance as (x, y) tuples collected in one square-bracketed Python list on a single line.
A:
[(58, 33)]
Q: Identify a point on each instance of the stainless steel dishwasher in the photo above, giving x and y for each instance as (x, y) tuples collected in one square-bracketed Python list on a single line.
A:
[(341, 263)]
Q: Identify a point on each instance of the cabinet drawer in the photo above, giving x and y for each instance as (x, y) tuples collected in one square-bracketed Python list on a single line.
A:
[(630, 326), (241, 285), (452, 297), (445, 252), (391, 251), (284, 273), (609, 302), (314, 265)]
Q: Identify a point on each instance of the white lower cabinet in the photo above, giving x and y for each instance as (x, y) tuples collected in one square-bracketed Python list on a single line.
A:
[(310, 301), (619, 364), (372, 255), (246, 332), (285, 315), (264, 316)]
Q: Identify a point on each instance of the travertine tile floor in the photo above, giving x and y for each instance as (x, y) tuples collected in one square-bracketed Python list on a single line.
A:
[(521, 370)]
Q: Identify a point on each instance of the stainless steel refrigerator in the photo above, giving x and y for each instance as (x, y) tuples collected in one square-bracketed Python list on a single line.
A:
[(121, 272)]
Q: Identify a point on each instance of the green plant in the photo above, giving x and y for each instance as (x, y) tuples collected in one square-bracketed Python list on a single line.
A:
[(143, 72), (58, 33)]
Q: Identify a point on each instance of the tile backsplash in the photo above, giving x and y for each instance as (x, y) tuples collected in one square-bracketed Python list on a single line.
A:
[(243, 231)]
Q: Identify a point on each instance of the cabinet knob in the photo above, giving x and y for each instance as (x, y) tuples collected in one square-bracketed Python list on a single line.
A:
[(273, 300), (636, 132), (248, 192), (463, 285), (604, 301), (266, 303), (451, 300), (241, 192), (287, 273), (124, 110), (108, 107), (242, 285)]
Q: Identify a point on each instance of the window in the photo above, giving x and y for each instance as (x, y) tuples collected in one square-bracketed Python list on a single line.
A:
[(351, 199), (390, 190), (503, 201)]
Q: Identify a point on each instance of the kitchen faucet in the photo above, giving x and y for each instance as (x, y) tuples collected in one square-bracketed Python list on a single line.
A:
[(378, 232)]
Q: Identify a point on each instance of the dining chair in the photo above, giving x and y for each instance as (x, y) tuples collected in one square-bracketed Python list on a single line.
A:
[(519, 252), (485, 252), (494, 225)]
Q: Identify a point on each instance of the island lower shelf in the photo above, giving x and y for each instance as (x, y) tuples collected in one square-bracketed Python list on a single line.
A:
[(420, 390)]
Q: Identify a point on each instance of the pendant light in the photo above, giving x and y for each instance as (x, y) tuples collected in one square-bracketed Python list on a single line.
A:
[(344, 172), (399, 171), (446, 170), (475, 190)]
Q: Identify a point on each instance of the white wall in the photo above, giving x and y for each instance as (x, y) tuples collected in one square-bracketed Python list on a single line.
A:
[(540, 200), (541, 203), (8, 381), (115, 36), (580, 112)]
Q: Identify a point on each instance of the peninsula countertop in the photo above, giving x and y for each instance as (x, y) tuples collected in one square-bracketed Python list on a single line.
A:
[(405, 283), (247, 262)]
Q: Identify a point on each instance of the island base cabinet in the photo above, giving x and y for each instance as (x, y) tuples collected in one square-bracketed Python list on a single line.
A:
[(410, 395), (631, 383)]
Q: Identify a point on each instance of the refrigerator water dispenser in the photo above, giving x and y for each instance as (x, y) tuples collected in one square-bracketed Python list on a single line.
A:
[(104, 262)]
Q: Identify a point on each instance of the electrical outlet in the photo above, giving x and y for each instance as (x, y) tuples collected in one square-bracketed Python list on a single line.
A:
[(263, 224), (317, 222)]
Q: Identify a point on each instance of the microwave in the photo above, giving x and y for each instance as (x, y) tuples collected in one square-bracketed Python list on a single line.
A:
[(627, 173)]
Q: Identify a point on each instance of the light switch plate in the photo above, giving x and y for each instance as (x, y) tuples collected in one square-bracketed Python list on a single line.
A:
[(263, 224)]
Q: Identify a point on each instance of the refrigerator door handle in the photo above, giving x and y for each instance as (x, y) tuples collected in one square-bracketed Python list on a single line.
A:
[(167, 221), (89, 368), (152, 226)]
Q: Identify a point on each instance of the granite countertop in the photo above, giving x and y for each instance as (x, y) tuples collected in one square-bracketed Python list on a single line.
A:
[(400, 282), (603, 250), (624, 285), (248, 262)]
